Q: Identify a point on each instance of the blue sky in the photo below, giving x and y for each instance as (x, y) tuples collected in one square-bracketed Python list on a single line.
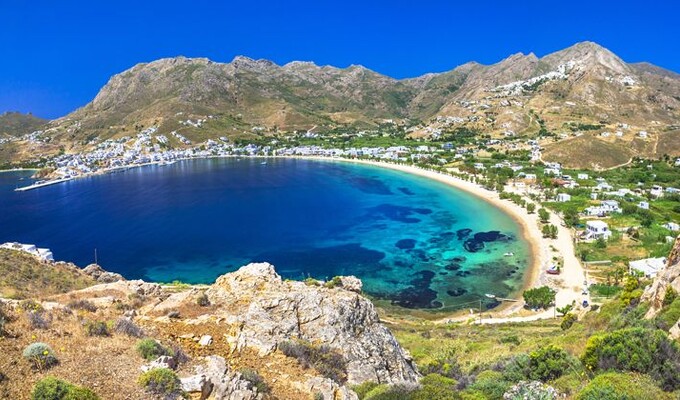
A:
[(56, 55)]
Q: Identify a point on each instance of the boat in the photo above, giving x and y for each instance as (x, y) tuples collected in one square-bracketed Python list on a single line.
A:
[(491, 296), (553, 270), (263, 163), (509, 254)]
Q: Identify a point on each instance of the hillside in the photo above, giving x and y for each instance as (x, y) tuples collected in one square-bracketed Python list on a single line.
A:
[(581, 89), (18, 124)]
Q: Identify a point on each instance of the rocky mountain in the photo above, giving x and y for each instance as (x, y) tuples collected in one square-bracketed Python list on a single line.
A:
[(584, 89), (18, 124)]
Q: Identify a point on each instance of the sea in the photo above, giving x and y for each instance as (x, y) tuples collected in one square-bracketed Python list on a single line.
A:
[(416, 243)]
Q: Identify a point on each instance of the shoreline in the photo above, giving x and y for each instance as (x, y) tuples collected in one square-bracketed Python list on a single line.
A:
[(529, 231)]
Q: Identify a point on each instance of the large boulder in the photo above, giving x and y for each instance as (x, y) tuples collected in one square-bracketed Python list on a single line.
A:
[(100, 275), (265, 311)]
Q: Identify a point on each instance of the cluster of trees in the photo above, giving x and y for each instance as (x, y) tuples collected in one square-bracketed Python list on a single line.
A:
[(541, 297)]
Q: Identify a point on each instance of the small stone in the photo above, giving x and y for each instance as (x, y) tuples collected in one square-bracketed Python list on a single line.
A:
[(206, 340)]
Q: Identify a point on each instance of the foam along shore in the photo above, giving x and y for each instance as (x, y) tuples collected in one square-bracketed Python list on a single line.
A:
[(569, 285)]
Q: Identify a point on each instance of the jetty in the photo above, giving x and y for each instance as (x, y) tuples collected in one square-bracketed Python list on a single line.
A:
[(40, 184)]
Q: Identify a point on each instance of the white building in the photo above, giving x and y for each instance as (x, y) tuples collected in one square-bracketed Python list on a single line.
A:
[(563, 197), (643, 205), (43, 254), (582, 176), (648, 266), (596, 230), (672, 226), (656, 191)]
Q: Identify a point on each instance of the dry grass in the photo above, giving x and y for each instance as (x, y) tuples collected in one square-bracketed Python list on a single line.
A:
[(23, 276)]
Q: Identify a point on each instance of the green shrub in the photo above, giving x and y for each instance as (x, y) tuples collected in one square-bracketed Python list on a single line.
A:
[(670, 296), (325, 360), (434, 386), (515, 368), (638, 350), (51, 388), (255, 379), (617, 386), (162, 381), (669, 315), (548, 363), (491, 384), (570, 383), (40, 355), (364, 388), (392, 392), (150, 349), (567, 321), (541, 297), (511, 339), (97, 328), (335, 282)]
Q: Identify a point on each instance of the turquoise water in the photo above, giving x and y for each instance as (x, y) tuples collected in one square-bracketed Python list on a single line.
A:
[(415, 243)]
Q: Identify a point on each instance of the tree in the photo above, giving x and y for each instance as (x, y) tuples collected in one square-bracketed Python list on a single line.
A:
[(544, 215), (571, 217), (531, 207), (549, 231), (541, 297)]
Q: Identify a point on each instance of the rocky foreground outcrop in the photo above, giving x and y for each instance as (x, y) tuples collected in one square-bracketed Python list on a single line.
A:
[(266, 311), (669, 277)]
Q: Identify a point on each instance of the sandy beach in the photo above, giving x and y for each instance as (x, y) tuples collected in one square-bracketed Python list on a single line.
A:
[(568, 285)]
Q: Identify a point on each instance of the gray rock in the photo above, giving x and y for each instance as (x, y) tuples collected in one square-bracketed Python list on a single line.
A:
[(102, 276), (267, 311), (205, 340), (329, 390), (226, 384), (351, 283), (160, 362)]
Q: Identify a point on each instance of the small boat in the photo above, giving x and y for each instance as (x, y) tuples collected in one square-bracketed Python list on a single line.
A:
[(491, 296), (553, 270), (263, 163), (509, 254)]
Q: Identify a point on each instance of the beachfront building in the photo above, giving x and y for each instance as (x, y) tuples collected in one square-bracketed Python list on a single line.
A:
[(596, 230), (41, 253), (650, 267)]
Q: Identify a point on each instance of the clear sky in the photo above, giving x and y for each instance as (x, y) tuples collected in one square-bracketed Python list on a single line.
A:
[(56, 55)]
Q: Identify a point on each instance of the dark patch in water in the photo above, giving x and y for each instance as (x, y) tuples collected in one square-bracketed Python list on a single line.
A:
[(463, 274), (370, 185), (456, 292), (443, 273), (476, 242), (492, 304), (419, 295), (463, 233), (398, 213), (406, 191), (453, 267), (459, 259), (406, 244)]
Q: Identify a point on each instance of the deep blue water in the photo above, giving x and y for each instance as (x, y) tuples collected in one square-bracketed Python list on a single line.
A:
[(414, 242)]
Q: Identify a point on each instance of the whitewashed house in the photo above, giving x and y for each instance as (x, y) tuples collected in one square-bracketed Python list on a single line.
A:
[(672, 226), (563, 197), (596, 230), (650, 267), (582, 176), (642, 134), (643, 205), (656, 191)]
